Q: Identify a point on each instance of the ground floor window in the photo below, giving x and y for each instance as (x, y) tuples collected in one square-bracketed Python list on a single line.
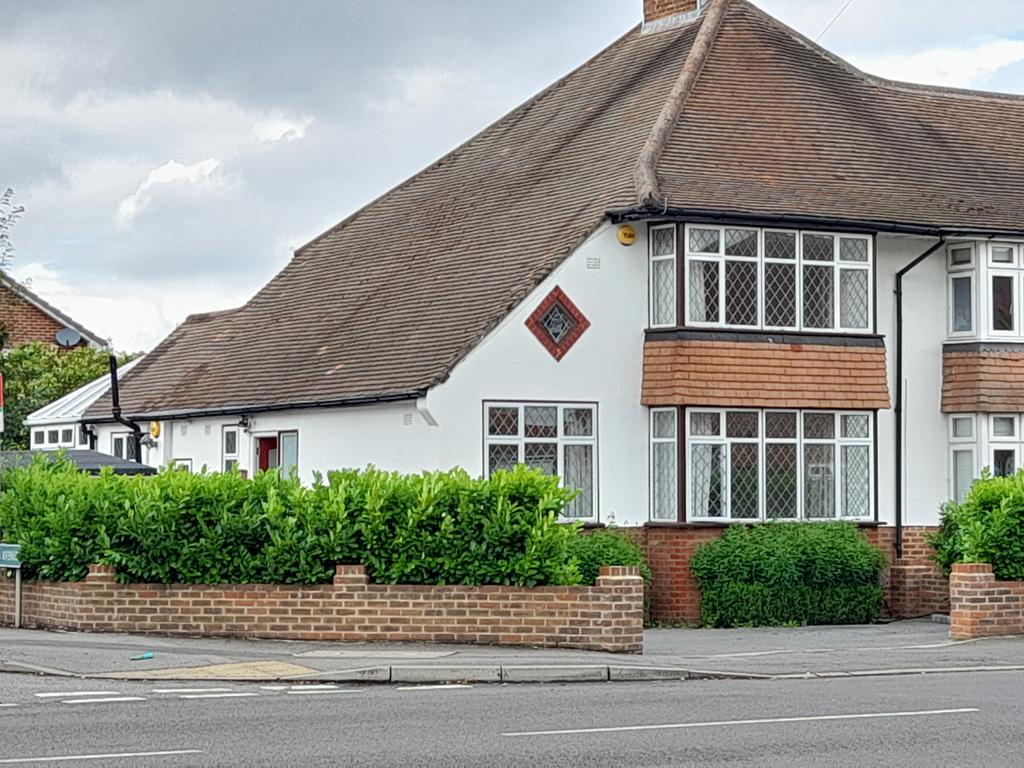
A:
[(279, 451), (123, 446), (744, 464), (558, 439)]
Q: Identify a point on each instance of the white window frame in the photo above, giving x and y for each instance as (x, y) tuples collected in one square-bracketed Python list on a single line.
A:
[(38, 437), (674, 442), (561, 440), (950, 266), (972, 419), (798, 278), (838, 441), (969, 276), (126, 436), (673, 257), (1013, 263), (185, 464), (225, 457), (954, 449), (1014, 296), (837, 263)]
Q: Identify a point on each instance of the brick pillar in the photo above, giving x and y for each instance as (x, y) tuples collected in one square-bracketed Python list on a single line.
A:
[(350, 576), (101, 574), (981, 606)]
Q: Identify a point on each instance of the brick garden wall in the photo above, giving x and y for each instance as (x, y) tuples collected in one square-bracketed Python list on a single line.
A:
[(982, 606), (914, 586), (606, 617)]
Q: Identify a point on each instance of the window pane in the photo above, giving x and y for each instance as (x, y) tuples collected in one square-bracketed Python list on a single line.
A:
[(853, 249), (780, 245), (741, 242), (819, 248), (1002, 254), (578, 422), (704, 291), (129, 449), (1004, 462), (230, 442), (706, 480), (663, 241), (819, 481), (37, 438), (856, 425), (663, 292), (741, 292), (963, 300), (780, 424), (963, 426), (289, 455), (818, 296), (578, 474), (503, 421), (51, 436), (704, 240), (1003, 426), (853, 298), (663, 472), (960, 256), (542, 456), (743, 485), (741, 424), (963, 473), (780, 295), (67, 436), (780, 480), (705, 424), (819, 426), (540, 421), (118, 447), (663, 424), (855, 492), (501, 456), (1002, 303)]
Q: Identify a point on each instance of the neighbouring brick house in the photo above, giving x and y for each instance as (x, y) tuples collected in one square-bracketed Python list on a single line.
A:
[(714, 275), (25, 317)]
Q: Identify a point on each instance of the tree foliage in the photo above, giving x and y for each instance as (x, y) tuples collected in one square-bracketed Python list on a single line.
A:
[(9, 214), (36, 374)]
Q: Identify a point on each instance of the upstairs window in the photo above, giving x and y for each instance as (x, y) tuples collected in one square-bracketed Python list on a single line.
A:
[(740, 277), (662, 300), (985, 289)]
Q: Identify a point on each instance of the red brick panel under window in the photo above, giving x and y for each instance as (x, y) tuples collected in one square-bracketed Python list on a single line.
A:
[(985, 381), (764, 375)]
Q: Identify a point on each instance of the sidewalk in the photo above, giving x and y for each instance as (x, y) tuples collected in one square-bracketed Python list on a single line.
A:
[(906, 647)]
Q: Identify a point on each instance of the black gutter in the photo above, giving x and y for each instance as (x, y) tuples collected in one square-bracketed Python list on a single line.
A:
[(115, 401), (862, 226), (898, 407)]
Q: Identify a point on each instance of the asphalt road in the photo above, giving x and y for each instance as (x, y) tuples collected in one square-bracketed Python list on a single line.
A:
[(936, 720)]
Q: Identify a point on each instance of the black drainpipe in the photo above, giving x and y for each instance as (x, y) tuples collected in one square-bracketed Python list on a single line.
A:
[(898, 408), (115, 402)]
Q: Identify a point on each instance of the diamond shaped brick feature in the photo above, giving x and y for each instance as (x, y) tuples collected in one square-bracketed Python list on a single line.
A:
[(557, 323)]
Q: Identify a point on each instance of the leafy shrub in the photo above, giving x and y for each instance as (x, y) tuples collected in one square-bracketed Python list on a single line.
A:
[(175, 527), (987, 527), (606, 547), (789, 573)]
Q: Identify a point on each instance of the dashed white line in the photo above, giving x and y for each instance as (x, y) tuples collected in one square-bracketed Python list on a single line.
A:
[(432, 687), (2, 706), (759, 721), (325, 687), (104, 700), (191, 690), (322, 693), (65, 694), (273, 687), (216, 695), (108, 756)]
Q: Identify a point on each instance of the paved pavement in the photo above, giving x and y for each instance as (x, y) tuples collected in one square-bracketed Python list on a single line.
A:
[(932, 720), (899, 647)]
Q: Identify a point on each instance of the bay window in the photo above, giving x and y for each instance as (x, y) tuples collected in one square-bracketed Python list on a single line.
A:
[(554, 438), (962, 455), (740, 277), (985, 288), (662, 297), (664, 463), (778, 465)]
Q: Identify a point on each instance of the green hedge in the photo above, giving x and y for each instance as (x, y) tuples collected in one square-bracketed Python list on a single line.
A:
[(607, 547), (987, 527), (789, 573), (175, 527)]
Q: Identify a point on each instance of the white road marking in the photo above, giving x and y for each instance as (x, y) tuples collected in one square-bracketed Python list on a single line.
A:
[(115, 699), (327, 687), (273, 687), (191, 690), (322, 693), (65, 694), (7, 705), (108, 756), (216, 695), (432, 687), (759, 721)]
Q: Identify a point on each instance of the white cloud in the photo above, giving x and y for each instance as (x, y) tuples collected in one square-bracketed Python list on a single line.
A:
[(425, 89), (198, 175), (278, 127), (955, 67)]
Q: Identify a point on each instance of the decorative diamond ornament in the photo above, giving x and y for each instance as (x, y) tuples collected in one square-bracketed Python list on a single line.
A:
[(557, 323)]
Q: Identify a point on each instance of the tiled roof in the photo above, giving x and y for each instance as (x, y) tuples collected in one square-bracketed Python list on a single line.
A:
[(387, 302), (48, 309), (982, 378)]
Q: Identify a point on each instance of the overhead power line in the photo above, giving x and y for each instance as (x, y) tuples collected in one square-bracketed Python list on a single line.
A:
[(835, 18)]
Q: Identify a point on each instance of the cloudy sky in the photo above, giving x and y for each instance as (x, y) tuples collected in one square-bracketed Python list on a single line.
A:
[(171, 155)]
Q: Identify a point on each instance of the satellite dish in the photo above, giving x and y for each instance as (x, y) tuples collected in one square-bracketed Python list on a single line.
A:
[(68, 337)]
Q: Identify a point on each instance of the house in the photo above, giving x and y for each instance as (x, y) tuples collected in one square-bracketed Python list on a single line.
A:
[(716, 274), (60, 426), (25, 317)]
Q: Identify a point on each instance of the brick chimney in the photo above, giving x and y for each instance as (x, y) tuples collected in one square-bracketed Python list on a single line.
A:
[(662, 9)]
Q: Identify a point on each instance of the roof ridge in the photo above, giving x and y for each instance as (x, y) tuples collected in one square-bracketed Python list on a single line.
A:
[(645, 172), (40, 303), (877, 80)]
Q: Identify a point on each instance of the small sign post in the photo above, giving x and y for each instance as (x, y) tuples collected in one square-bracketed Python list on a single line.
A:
[(9, 559)]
